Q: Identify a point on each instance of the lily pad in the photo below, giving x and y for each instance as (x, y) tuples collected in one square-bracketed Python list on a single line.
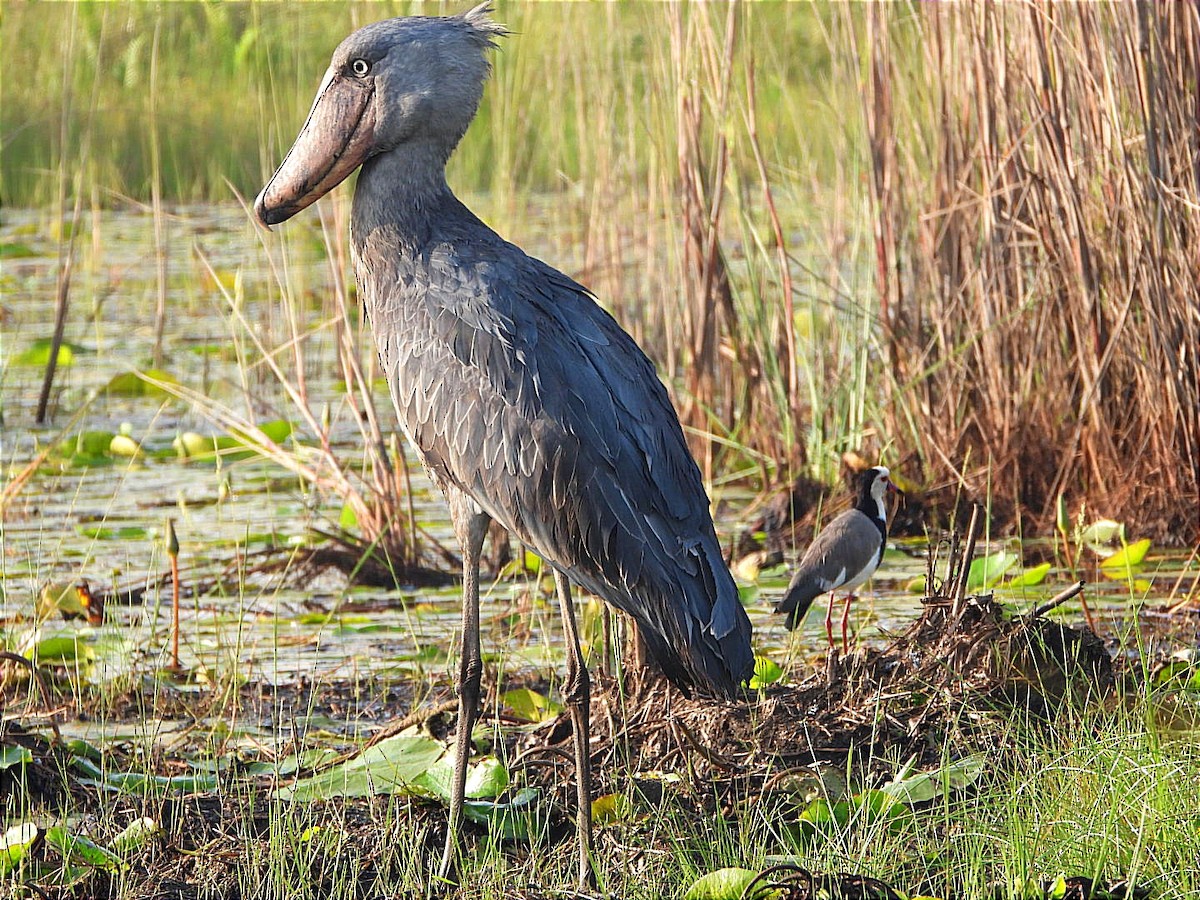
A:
[(1030, 577), (766, 671), (38, 353), (14, 844), (82, 849), (987, 570), (16, 250), (611, 808), (723, 884), (530, 705), (141, 782), (14, 756), (392, 766), (61, 649), (140, 384), (137, 834), (922, 786), (1127, 556)]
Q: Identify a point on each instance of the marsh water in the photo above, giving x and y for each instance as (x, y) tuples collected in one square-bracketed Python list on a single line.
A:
[(101, 517)]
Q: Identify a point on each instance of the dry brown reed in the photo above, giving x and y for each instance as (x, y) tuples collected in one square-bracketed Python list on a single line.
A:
[(1037, 197)]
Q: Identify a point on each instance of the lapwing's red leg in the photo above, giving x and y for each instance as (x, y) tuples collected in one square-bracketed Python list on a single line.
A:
[(845, 623)]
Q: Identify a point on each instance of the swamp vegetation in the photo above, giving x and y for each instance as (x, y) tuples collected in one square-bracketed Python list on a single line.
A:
[(961, 240)]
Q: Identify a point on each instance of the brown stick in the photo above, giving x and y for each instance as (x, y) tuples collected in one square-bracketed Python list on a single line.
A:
[(1057, 600), (960, 588)]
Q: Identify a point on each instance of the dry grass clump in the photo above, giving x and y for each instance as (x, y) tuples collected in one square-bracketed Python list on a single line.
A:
[(1035, 182)]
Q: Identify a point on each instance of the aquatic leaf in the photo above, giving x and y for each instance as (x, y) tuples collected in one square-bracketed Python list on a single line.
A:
[(530, 705), (106, 533), (348, 518), (611, 808), (61, 649), (137, 834), (766, 671), (141, 782), (14, 844), (14, 756), (38, 353), (1102, 531), (515, 820), (123, 445), (82, 849), (140, 384), (277, 430), (988, 570), (1030, 577), (747, 568), (748, 593), (1129, 555), (533, 562), (877, 806), (916, 585), (923, 786), (822, 817), (486, 779), (391, 766), (723, 884), (16, 250), (80, 747), (92, 443)]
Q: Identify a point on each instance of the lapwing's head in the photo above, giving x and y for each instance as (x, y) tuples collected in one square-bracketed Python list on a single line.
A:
[(874, 484)]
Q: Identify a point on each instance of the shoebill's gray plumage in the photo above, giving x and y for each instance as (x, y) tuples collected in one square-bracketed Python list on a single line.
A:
[(525, 400)]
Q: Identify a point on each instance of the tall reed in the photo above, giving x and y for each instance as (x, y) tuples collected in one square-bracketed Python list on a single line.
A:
[(1036, 169)]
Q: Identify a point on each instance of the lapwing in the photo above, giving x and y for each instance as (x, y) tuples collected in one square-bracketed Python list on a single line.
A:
[(844, 555)]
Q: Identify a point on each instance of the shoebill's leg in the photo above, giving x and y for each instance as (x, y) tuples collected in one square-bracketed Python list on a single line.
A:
[(471, 527), (577, 693)]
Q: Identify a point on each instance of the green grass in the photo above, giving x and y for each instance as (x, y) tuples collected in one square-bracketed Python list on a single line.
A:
[(1103, 795)]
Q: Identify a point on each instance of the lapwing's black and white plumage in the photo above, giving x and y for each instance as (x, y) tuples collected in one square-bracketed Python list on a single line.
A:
[(845, 554)]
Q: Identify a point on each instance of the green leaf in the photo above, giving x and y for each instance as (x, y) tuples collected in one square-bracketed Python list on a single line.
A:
[(82, 849), (277, 430), (123, 445), (766, 671), (14, 844), (516, 820), (15, 250), (988, 570), (14, 756), (821, 816), (916, 585), (61, 649), (105, 533), (924, 786), (1102, 531), (135, 384), (38, 353), (611, 808), (748, 593), (137, 834), (1127, 556), (141, 782), (723, 884), (348, 518), (1030, 577), (486, 779), (530, 705), (391, 766)]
